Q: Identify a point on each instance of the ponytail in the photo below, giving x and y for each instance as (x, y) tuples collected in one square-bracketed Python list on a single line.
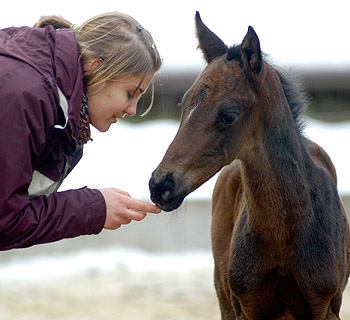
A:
[(56, 21)]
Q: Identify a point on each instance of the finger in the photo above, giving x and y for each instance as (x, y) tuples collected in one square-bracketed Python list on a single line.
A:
[(123, 192), (125, 220), (137, 215), (142, 206), (115, 227)]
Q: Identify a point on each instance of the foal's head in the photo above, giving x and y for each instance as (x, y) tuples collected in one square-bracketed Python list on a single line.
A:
[(224, 112)]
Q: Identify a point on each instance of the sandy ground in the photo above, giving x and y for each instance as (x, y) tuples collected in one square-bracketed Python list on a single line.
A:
[(100, 298), (144, 290), (108, 297), (112, 295)]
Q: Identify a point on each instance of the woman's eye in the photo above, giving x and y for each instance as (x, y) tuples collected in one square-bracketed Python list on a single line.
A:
[(130, 96)]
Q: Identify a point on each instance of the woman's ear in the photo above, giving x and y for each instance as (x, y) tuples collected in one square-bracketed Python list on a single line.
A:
[(89, 66)]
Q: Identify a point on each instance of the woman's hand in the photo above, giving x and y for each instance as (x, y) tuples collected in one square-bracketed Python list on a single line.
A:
[(122, 209)]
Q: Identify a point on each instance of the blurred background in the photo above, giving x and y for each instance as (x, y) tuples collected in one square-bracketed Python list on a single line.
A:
[(161, 268)]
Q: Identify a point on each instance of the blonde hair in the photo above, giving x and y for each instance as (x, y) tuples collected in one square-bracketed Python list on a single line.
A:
[(123, 47)]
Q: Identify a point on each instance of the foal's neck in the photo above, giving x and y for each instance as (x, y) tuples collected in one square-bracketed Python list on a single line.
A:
[(276, 170)]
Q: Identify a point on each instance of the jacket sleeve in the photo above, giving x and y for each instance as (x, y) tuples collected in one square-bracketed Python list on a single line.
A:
[(26, 117), (62, 215)]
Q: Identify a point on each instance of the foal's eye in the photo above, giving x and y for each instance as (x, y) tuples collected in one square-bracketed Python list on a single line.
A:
[(227, 117)]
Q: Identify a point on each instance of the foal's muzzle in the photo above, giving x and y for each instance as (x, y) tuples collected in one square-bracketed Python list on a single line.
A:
[(167, 191)]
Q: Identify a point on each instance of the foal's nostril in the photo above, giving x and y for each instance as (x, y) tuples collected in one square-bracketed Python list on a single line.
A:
[(162, 187), (169, 184), (168, 187)]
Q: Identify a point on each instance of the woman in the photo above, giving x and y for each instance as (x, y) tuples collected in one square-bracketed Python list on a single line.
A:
[(56, 79)]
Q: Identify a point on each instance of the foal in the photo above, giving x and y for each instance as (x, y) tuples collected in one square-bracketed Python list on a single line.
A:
[(280, 235)]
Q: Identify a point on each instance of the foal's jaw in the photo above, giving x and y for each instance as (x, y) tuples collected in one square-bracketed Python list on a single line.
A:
[(170, 184)]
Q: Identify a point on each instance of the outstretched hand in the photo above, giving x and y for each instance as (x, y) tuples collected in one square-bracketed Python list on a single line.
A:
[(121, 208)]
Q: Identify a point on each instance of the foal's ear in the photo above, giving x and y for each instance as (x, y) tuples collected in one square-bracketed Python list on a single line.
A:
[(210, 44), (251, 52)]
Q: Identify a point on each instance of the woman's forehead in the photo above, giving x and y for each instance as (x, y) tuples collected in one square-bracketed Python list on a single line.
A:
[(138, 79)]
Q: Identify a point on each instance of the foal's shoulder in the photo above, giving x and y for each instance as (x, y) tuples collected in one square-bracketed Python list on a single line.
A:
[(231, 171), (229, 179), (321, 157)]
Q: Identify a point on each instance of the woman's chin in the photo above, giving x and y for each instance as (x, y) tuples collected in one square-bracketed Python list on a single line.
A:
[(102, 128)]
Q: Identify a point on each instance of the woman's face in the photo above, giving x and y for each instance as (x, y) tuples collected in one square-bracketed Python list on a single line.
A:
[(116, 99)]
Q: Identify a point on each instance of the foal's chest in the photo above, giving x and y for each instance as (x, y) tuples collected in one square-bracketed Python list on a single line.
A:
[(280, 276)]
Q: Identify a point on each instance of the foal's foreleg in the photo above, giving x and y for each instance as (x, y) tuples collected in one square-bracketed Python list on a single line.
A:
[(224, 297), (226, 200)]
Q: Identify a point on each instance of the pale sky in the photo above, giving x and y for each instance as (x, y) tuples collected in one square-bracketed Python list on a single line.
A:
[(308, 33)]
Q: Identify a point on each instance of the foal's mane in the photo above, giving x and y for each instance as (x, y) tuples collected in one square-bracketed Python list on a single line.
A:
[(295, 95)]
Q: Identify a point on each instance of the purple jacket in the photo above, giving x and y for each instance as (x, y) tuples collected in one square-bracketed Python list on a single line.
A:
[(37, 137)]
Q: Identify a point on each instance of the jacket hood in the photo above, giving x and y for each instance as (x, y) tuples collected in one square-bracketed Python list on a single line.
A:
[(53, 54)]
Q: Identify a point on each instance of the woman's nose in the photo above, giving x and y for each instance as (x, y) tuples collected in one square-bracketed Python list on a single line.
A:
[(131, 109)]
